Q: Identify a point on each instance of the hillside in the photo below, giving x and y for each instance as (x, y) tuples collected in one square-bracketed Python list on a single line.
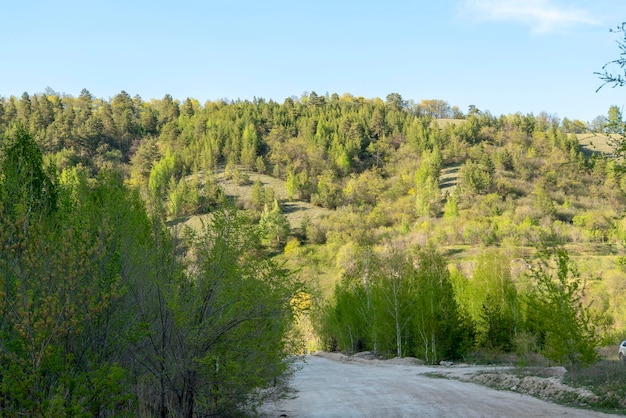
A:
[(597, 143), (295, 210), (357, 197)]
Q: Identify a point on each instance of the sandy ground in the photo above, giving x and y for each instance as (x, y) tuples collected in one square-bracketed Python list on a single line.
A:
[(326, 387)]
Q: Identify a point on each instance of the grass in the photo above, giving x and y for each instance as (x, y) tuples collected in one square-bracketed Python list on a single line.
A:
[(443, 122), (488, 357), (294, 210), (607, 380), (592, 143)]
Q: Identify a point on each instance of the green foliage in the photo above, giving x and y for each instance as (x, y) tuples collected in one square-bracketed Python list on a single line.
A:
[(437, 319), (99, 318), (556, 313), (363, 189), (64, 285), (258, 194), (161, 175), (328, 191), (492, 301), (377, 170), (231, 320), (25, 186), (397, 304), (343, 324), (250, 144), (393, 297), (274, 224), (476, 178), (451, 207)]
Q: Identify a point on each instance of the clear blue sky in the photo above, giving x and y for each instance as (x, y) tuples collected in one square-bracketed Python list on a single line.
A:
[(503, 56)]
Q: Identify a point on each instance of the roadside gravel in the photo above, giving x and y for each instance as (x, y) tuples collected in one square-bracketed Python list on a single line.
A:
[(330, 385)]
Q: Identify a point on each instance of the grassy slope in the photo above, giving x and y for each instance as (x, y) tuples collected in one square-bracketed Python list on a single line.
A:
[(294, 210), (592, 259), (595, 143)]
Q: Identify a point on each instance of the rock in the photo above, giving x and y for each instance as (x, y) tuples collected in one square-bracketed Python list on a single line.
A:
[(445, 363)]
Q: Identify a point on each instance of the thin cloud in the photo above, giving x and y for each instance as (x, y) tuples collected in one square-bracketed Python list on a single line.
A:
[(541, 15)]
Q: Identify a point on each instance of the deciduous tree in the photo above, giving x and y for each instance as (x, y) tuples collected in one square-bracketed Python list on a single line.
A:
[(556, 312)]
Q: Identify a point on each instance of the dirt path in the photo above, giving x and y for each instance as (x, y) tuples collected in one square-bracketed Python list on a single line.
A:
[(327, 388)]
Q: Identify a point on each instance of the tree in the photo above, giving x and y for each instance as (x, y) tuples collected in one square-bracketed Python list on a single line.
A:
[(274, 224), (232, 316), (258, 194), (177, 192), (126, 118), (427, 182), (249, 146), (610, 74), (476, 177), (451, 207), (395, 101), (615, 124), (133, 255), (436, 316), (614, 73), (328, 191), (160, 175), (143, 160), (56, 296), (434, 108), (65, 265), (24, 109), (168, 110), (556, 312), (363, 189), (493, 301), (598, 124), (345, 322), (28, 190), (394, 287)]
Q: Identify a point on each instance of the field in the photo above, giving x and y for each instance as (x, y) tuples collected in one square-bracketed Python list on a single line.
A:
[(596, 143)]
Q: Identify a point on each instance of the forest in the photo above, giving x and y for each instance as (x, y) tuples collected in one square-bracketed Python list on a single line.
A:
[(135, 282)]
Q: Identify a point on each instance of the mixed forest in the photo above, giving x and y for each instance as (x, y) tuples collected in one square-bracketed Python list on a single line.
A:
[(134, 282)]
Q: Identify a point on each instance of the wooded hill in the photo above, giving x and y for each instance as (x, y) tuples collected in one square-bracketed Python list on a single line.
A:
[(428, 232)]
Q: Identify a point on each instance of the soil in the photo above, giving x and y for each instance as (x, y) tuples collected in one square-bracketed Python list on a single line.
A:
[(334, 385)]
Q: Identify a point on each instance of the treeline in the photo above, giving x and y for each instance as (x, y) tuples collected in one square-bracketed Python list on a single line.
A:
[(100, 315), (315, 143), (408, 303)]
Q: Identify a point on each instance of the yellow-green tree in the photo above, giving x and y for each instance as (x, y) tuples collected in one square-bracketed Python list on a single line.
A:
[(556, 312)]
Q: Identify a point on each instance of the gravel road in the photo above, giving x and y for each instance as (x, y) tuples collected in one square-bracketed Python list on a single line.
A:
[(328, 388)]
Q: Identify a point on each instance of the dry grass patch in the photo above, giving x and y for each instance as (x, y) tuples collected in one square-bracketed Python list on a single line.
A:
[(294, 210), (593, 143)]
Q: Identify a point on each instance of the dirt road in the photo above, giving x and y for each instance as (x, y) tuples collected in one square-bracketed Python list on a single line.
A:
[(327, 388)]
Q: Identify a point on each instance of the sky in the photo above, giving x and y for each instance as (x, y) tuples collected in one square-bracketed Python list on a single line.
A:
[(507, 56)]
